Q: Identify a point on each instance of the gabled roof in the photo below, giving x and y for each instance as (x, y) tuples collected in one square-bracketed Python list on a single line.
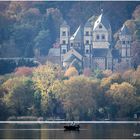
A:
[(102, 19), (70, 58), (124, 30), (73, 52), (77, 35)]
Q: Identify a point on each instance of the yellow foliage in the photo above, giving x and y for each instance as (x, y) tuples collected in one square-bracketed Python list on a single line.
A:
[(123, 89), (107, 73), (12, 83), (71, 71), (127, 75), (43, 77)]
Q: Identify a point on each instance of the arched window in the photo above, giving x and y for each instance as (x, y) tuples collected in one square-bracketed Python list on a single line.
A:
[(63, 42), (103, 37), (64, 51), (100, 26), (87, 42), (123, 42), (97, 37), (63, 33), (87, 51), (87, 33)]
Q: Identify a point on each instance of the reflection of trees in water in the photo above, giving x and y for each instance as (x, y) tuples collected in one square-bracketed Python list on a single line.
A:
[(52, 131)]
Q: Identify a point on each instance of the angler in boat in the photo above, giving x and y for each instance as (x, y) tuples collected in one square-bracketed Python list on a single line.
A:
[(72, 126)]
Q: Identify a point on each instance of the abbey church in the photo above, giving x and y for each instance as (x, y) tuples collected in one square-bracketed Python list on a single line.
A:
[(91, 46)]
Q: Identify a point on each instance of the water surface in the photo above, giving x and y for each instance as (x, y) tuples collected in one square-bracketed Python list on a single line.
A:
[(56, 131)]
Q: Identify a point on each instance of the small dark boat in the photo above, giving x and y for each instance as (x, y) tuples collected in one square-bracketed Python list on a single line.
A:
[(72, 127)]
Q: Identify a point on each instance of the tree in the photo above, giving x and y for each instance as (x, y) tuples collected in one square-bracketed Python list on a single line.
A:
[(44, 77), (53, 22), (107, 73), (19, 97), (135, 80), (79, 98), (122, 99), (43, 41), (135, 54), (23, 71), (87, 72), (136, 13), (114, 78), (127, 75), (71, 71)]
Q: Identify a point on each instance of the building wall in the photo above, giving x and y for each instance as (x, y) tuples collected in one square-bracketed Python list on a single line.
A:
[(66, 36), (101, 37), (98, 37), (99, 63), (125, 49)]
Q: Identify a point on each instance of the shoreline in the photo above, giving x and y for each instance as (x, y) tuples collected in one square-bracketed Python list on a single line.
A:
[(63, 122)]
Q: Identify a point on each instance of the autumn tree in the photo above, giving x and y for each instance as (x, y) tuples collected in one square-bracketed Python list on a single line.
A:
[(23, 71), (79, 98), (114, 78), (135, 80), (136, 54), (87, 72), (71, 71), (18, 95), (122, 99), (43, 79)]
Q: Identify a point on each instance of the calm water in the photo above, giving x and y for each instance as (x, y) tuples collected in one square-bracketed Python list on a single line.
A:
[(56, 131)]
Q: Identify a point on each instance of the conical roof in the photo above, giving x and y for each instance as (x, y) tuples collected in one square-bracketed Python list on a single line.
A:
[(124, 30), (77, 35), (102, 19), (88, 24)]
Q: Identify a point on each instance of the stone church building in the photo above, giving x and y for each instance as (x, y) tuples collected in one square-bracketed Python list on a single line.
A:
[(92, 46)]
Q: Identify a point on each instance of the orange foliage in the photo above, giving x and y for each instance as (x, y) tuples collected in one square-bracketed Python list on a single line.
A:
[(107, 73), (23, 71), (71, 71)]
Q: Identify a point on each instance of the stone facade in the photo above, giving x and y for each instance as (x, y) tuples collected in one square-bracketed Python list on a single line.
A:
[(92, 45)]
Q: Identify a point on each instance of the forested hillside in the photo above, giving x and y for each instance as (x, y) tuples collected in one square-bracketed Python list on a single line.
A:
[(25, 26)]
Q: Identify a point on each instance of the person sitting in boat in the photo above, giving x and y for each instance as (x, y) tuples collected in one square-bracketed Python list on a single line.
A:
[(72, 124)]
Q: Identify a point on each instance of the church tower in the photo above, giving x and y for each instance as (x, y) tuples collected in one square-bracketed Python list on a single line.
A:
[(64, 39), (125, 45), (102, 35), (88, 44)]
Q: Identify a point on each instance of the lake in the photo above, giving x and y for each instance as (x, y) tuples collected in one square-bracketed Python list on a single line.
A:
[(93, 130)]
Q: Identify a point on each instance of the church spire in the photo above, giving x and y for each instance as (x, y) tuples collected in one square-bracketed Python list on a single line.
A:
[(102, 11)]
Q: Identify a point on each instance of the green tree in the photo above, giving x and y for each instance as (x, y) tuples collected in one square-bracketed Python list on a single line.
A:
[(19, 96), (43, 41)]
